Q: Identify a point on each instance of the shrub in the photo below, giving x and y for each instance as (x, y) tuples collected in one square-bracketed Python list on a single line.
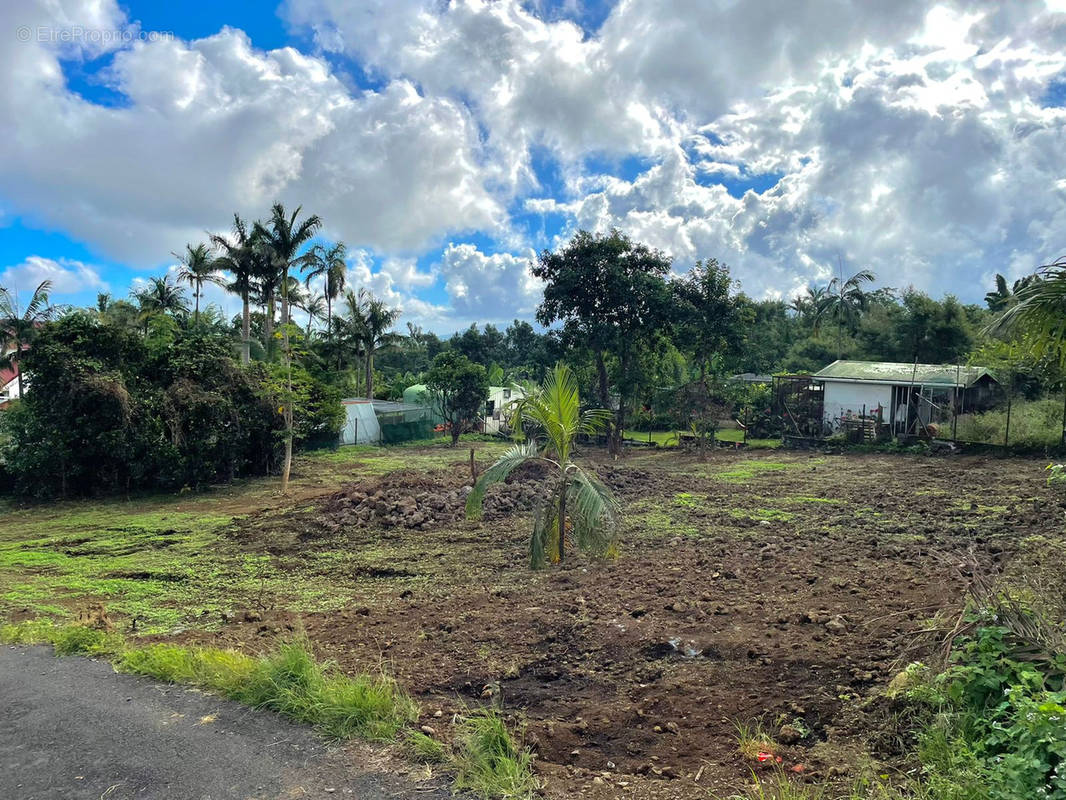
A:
[(1036, 424), (489, 763)]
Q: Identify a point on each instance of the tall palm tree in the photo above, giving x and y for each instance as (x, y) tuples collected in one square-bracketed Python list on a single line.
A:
[(552, 419), (844, 302), (283, 240), (18, 325), (808, 305), (1039, 311), (328, 263), (198, 267), (242, 258), (373, 321), (161, 296)]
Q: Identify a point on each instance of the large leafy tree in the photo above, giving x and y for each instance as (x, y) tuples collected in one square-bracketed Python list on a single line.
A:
[(459, 388), (709, 317), (19, 324), (552, 418), (198, 268), (610, 293)]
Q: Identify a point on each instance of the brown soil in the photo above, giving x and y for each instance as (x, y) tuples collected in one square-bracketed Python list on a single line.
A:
[(788, 594)]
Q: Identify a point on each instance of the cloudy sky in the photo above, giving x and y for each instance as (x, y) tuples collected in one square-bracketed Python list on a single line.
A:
[(447, 142)]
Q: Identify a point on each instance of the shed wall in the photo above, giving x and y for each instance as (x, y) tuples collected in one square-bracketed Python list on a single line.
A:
[(844, 399)]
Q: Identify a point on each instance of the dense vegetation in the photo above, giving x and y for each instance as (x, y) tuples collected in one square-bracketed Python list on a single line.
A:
[(155, 391)]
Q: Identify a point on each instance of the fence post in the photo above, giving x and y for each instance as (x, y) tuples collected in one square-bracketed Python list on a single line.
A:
[(1006, 431)]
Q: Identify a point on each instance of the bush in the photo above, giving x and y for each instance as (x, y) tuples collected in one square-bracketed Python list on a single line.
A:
[(110, 411), (1036, 424)]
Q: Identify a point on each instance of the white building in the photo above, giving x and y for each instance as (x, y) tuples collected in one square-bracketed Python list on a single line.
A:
[(898, 394), (499, 405)]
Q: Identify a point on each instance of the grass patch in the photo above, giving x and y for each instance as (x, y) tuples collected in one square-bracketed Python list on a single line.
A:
[(745, 471), (759, 514), (290, 682), (753, 740), (489, 763)]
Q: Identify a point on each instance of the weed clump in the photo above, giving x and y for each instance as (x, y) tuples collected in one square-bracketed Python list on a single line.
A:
[(489, 763)]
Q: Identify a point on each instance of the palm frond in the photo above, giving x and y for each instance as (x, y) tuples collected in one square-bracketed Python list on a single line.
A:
[(594, 511), (545, 528), (504, 466)]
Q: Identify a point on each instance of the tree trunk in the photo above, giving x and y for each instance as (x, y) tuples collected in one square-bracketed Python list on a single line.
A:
[(287, 468), (456, 430), (562, 523), (18, 366), (196, 304), (370, 373), (268, 321), (605, 400), (246, 329)]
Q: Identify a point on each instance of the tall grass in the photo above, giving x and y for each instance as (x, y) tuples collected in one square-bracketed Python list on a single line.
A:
[(290, 682), (1033, 423), (489, 763)]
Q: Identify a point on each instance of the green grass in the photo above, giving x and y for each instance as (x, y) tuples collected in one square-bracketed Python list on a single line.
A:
[(669, 438), (745, 471), (291, 682), (489, 764)]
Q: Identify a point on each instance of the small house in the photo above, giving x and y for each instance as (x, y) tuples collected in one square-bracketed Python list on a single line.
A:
[(903, 397), (494, 414)]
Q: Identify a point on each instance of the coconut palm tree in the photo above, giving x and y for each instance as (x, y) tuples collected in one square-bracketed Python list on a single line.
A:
[(1005, 296), (18, 325), (242, 258), (844, 302), (198, 267), (552, 418), (328, 263)]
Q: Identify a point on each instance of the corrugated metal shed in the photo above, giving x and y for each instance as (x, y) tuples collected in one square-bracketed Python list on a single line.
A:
[(945, 375)]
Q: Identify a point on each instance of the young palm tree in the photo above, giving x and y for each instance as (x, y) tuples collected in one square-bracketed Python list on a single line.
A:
[(19, 325), (197, 268), (844, 301), (241, 257), (552, 418), (283, 240), (328, 263)]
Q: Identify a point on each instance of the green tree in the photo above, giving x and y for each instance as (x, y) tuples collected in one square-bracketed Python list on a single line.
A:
[(844, 302), (552, 418), (709, 318), (329, 264), (1039, 312), (161, 297), (243, 258), (198, 267), (284, 239), (18, 324), (611, 295), (372, 320), (459, 388)]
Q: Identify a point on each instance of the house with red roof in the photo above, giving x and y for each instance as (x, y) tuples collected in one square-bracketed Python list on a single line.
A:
[(9, 384)]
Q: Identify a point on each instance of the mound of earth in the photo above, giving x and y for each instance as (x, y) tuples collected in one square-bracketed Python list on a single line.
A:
[(418, 501)]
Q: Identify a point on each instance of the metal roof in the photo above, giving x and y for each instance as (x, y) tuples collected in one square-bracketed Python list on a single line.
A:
[(384, 406), (902, 373)]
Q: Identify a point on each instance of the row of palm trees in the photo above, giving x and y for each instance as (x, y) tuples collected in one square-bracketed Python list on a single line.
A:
[(842, 300), (256, 261)]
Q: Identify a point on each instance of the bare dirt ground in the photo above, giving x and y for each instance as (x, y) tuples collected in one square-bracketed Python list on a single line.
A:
[(783, 588)]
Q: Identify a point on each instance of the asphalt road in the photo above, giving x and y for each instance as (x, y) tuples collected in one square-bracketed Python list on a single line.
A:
[(72, 728)]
